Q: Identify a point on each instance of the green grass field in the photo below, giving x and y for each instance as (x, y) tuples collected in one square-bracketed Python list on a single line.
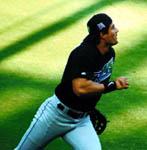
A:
[(36, 38)]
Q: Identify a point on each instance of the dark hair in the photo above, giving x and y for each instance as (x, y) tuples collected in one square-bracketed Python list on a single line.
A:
[(95, 38), (98, 23)]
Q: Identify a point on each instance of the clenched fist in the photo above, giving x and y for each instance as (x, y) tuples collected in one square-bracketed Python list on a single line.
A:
[(121, 83)]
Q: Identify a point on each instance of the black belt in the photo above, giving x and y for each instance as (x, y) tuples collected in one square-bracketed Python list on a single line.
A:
[(72, 113)]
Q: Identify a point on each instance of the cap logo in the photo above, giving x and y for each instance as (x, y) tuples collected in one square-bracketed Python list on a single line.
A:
[(101, 26)]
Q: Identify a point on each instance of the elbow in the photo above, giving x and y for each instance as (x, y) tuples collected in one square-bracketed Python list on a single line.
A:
[(78, 86)]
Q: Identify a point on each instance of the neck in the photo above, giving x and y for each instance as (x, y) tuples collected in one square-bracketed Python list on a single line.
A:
[(102, 47)]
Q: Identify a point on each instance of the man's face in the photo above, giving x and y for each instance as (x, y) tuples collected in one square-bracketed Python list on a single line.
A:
[(111, 37)]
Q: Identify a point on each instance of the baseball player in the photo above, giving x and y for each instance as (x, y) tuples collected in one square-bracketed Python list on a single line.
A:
[(85, 79)]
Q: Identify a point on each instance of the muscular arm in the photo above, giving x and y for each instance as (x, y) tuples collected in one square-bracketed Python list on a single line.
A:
[(83, 86)]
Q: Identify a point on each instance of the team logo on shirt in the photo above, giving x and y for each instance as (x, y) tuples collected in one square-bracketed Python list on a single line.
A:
[(105, 72)]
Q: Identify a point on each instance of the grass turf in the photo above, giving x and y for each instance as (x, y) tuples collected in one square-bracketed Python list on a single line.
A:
[(36, 39)]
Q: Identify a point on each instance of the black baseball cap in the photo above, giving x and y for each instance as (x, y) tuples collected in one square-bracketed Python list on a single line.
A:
[(98, 23)]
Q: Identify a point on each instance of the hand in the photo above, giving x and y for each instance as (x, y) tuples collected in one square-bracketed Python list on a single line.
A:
[(121, 83)]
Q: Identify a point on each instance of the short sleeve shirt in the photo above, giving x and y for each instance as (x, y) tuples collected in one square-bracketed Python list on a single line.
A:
[(85, 61)]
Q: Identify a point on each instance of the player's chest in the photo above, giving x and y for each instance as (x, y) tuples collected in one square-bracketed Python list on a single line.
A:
[(102, 70)]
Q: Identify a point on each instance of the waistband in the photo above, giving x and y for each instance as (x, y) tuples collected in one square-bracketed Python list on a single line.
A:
[(69, 111)]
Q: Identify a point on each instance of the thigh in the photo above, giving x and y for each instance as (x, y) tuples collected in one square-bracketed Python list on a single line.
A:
[(45, 127), (83, 137)]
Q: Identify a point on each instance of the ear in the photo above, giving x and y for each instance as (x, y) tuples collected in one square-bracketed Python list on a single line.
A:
[(102, 35)]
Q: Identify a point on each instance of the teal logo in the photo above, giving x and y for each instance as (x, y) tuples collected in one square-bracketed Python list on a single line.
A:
[(105, 72)]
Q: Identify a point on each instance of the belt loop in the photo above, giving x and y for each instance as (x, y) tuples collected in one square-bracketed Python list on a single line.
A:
[(65, 110), (72, 113)]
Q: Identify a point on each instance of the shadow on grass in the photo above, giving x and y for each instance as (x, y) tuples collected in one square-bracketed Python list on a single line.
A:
[(12, 81), (132, 58), (47, 31), (125, 64), (14, 123), (52, 29), (33, 17), (131, 140), (13, 127)]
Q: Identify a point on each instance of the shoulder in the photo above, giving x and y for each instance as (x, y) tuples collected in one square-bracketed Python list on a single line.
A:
[(84, 50)]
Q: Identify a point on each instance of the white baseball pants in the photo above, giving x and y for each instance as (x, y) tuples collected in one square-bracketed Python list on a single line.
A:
[(50, 122)]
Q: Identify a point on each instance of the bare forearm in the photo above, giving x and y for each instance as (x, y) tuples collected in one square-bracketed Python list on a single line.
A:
[(92, 87), (84, 86)]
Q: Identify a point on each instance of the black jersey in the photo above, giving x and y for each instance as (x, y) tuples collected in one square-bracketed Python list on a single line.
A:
[(85, 61)]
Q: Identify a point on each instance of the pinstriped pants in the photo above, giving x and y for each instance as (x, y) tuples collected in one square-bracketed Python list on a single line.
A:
[(50, 122)]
